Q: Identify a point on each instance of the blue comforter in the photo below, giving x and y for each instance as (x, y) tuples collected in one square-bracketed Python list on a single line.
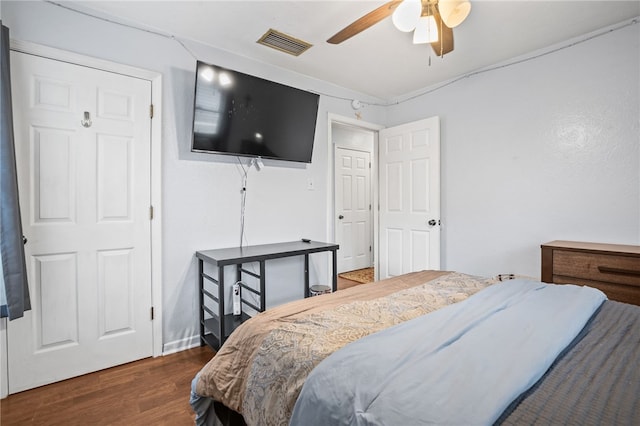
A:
[(461, 365)]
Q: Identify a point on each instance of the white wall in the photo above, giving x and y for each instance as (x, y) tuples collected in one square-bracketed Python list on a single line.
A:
[(543, 150), (201, 192)]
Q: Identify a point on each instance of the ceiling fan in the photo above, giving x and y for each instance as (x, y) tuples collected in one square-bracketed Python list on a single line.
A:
[(430, 20)]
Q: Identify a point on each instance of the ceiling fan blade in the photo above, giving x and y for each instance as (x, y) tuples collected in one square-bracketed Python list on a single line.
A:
[(365, 22), (444, 44)]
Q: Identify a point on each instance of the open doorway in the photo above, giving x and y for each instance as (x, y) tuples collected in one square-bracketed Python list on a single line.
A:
[(405, 194), (354, 187)]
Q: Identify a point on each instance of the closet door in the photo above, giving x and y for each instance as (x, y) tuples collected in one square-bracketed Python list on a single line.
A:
[(353, 209), (83, 158)]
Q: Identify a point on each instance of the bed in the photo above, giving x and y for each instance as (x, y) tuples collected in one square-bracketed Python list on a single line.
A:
[(423, 348)]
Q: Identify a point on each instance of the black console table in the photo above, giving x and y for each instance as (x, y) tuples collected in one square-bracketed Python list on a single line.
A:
[(215, 330)]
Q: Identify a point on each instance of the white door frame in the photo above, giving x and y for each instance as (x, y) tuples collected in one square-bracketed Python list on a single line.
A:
[(331, 228), (156, 191)]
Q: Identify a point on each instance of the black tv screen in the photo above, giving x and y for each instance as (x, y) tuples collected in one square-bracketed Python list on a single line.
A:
[(239, 114)]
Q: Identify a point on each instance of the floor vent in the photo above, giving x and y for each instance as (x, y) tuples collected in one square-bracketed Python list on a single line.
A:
[(284, 43)]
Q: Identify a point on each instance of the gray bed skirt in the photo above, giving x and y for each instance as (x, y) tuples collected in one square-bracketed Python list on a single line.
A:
[(595, 382)]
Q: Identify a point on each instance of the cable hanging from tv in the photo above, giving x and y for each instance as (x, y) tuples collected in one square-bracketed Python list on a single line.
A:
[(259, 165)]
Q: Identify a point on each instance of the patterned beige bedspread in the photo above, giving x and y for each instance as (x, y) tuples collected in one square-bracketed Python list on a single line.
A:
[(261, 368)]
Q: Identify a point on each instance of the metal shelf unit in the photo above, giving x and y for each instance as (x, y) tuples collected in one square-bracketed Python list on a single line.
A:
[(215, 329)]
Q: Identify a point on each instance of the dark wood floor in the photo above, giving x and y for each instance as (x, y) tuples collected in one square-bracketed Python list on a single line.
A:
[(153, 391)]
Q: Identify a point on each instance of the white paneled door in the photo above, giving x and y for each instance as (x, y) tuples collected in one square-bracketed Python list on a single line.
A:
[(83, 156), (409, 189), (353, 209)]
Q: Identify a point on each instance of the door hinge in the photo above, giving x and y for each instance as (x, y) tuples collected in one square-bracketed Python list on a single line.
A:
[(151, 111), (150, 212), (152, 314), (369, 248)]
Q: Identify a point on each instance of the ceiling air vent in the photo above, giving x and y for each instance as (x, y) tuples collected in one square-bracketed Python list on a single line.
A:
[(284, 43)]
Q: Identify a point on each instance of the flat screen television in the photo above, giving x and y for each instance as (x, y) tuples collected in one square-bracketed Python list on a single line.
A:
[(239, 114)]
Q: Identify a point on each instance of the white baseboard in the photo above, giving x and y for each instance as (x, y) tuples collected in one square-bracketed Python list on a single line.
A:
[(181, 345), (4, 369)]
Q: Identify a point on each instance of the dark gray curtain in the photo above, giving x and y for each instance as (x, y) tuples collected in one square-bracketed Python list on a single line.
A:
[(13, 286)]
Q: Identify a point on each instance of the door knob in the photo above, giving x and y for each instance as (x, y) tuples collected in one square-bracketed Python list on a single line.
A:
[(433, 222), (340, 217)]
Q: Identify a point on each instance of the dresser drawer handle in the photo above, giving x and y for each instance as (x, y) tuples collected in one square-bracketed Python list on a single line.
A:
[(608, 270)]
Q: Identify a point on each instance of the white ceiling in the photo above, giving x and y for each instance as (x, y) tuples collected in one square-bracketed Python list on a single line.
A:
[(381, 61)]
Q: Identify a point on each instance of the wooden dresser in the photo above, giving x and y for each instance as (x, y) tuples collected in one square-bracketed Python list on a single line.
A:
[(613, 268)]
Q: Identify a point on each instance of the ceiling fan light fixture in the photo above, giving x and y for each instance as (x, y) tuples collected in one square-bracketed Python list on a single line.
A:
[(406, 15), (426, 30), (454, 12)]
